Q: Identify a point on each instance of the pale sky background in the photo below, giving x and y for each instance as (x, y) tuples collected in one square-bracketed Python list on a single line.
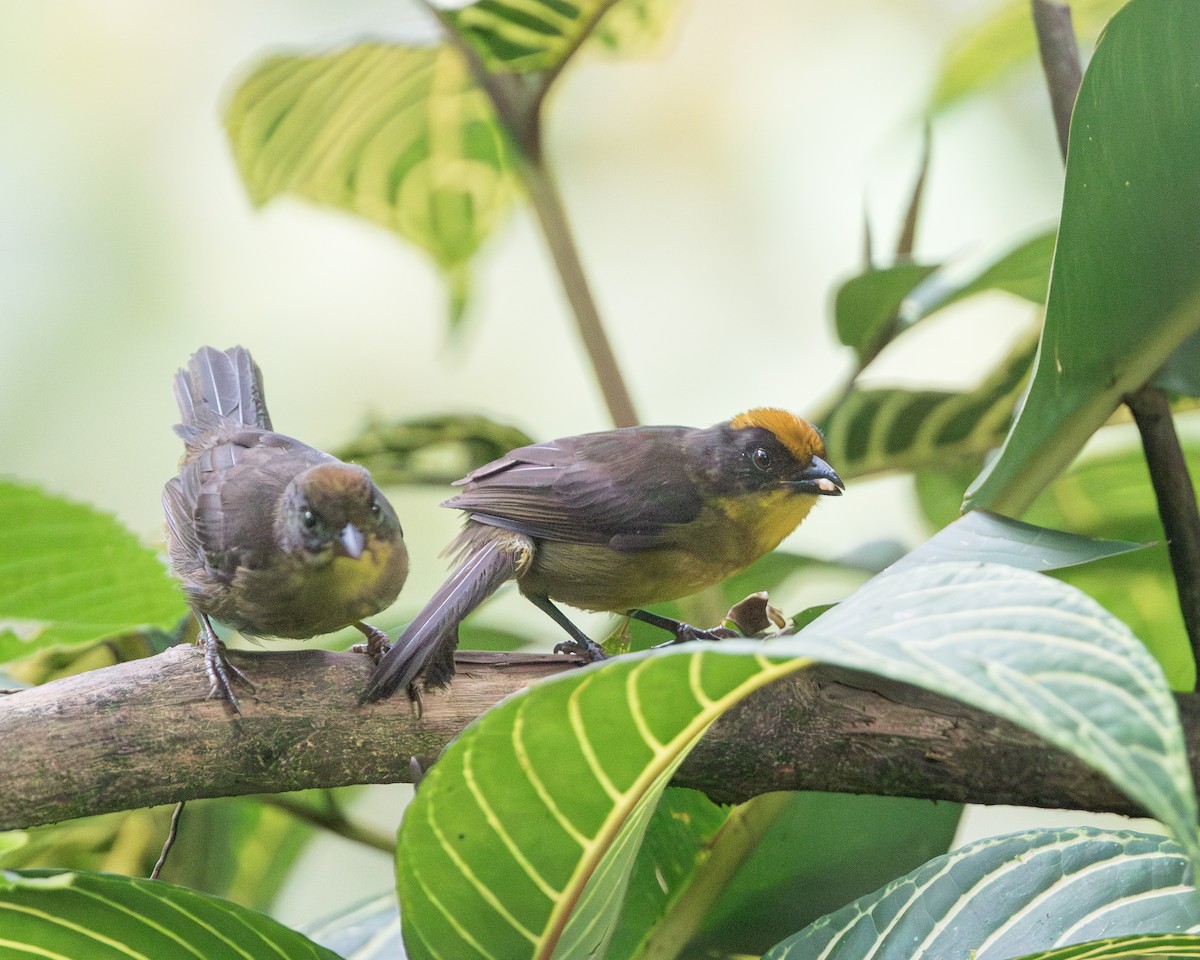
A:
[(717, 193)]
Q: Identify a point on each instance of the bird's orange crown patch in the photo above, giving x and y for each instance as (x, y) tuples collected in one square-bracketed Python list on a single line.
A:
[(799, 436)]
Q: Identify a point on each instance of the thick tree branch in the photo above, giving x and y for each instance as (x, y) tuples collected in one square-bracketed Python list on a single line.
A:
[(142, 733)]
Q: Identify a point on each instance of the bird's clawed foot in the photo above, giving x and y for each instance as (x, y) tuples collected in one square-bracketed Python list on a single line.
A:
[(221, 673), (582, 647), (378, 643), (684, 632)]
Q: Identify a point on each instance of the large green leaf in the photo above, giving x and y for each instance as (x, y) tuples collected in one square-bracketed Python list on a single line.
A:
[(1007, 896), (522, 836), (1125, 291), (1166, 945), (397, 134), (69, 916), (1105, 495), (1005, 40), (71, 574)]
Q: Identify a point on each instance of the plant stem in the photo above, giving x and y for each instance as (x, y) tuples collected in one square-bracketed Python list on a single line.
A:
[(333, 820), (549, 209), (517, 100), (1060, 62), (1176, 500)]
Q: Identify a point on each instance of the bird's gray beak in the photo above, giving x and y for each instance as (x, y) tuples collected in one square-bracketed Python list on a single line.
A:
[(820, 479), (352, 541)]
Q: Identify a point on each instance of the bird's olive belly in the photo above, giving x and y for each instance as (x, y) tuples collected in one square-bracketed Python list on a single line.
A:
[(298, 600)]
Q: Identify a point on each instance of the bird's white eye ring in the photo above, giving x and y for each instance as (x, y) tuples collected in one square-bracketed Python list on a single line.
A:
[(761, 458)]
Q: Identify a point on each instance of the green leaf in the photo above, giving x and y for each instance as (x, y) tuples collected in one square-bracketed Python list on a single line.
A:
[(1028, 648), (399, 135), (522, 836), (64, 915), (70, 574), (1125, 291), (821, 851), (434, 450), (866, 307), (1004, 41), (1181, 372), (541, 35), (1023, 271), (1000, 539), (1007, 896), (1107, 495), (876, 430), (1168, 945)]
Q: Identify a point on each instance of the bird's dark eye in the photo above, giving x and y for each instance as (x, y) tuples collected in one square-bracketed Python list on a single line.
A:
[(375, 508), (308, 518), (761, 458)]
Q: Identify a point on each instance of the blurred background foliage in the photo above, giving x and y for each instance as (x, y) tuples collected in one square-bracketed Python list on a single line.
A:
[(719, 189)]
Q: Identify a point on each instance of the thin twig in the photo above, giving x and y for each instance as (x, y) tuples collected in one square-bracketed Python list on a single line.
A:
[(1060, 62), (1176, 500), (333, 820), (172, 833)]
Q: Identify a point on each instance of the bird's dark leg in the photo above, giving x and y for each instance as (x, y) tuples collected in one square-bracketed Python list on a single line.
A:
[(684, 632), (580, 643), (217, 665), (378, 643)]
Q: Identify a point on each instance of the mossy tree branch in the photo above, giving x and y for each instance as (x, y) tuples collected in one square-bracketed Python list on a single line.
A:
[(143, 733)]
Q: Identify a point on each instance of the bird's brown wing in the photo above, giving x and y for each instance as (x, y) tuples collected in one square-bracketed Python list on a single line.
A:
[(221, 507), (619, 488)]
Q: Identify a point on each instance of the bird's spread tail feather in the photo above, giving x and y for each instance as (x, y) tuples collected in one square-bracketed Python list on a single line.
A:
[(427, 644), (218, 388)]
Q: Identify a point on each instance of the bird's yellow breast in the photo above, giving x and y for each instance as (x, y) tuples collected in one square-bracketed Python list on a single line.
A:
[(731, 533)]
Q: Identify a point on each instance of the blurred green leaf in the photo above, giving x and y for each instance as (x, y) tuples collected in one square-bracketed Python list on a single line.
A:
[(70, 574), (1125, 291), (1005, 40), (876, 430), (821, 851), (541, 35), (76, 915), (865, 307), (366, 931), (1023, 271), (396, 134), (434, 450), (1008, 896), (1181, 372), (238, 848), (1107, 495)]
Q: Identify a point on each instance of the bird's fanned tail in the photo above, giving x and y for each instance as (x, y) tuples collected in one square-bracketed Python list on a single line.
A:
[(428, 643), (218, 388)]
